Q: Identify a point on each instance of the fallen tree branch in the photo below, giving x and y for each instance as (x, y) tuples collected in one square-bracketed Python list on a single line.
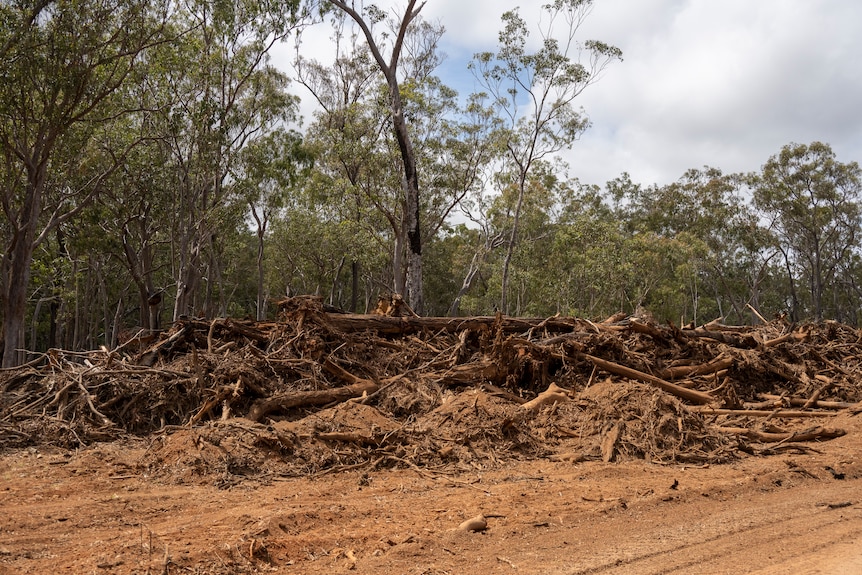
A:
[(683, 371), (744, 341), (283, 402), (484, 371), (691, 395), (813, 434), (778, 413), (801, 401)]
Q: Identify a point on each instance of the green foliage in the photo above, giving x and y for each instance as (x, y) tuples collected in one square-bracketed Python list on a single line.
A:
[(534, 93), (813, 203), (176, 171)]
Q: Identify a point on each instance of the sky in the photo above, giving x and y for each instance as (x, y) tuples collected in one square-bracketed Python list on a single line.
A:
[(702, 83)]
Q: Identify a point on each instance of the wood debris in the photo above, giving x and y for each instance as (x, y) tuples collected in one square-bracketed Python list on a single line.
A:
[(320, 389)]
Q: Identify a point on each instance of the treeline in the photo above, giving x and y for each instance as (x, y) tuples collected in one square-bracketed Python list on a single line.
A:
[(153, 167)]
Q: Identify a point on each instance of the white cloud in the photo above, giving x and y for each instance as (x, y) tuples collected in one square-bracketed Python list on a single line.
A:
[(724, 84)]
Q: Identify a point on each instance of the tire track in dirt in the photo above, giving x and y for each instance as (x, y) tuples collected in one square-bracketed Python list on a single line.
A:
[(763, 531)]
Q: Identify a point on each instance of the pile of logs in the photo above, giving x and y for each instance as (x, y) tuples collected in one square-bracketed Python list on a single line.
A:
[(750, 382)]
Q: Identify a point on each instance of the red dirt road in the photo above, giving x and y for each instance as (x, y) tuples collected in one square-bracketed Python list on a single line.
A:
[(95, 511)]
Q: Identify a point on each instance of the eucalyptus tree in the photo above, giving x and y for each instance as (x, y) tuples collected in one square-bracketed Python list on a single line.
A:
[(16, 22), (711, 209), (355, 176), (378, 44), (217, 92), (361, 161), (813, 204), (588, 255), (531, 277), (535, 93), (137, 206), (62, 63), (266, 178)]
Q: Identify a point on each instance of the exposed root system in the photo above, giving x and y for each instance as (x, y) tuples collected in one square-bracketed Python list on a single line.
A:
[(320, 391)]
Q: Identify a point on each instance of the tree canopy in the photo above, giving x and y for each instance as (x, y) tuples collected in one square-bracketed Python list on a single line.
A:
[(154, 167)]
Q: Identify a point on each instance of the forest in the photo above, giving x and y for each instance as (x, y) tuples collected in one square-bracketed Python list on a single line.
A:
[(154, 168)]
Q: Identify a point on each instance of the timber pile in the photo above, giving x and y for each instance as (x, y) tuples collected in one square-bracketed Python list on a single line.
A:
[(319, 390)]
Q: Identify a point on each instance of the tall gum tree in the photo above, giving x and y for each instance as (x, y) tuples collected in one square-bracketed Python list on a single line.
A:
[(535, 93), (62, 61), (813, 203), (267, 173), (410, 182), (220, 93), (451, 143), (349, 129)]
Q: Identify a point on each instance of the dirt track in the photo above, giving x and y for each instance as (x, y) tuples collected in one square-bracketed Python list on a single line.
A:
[(96, 511)]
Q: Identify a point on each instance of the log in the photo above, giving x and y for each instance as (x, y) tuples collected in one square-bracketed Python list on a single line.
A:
[(484, 371), (779, 413), (402, 325), (814, 434), (800, 401), (695, 370), (286, 401), (691, 395), (794, 336), (649, 329), (334, 369), (716, 325), (744, 341)]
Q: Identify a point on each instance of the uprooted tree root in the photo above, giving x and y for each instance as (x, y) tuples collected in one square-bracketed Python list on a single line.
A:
[(320, 391)]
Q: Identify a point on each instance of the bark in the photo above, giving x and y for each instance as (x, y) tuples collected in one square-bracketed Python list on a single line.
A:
[(413, 288), (354, 285), (261, 221), (401, 325), (15, 302), (306, 398), (791, 282)]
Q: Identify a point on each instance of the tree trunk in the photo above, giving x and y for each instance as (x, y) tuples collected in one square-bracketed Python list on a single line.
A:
[(794, 308), (398, 277), (513, 237), (354, 285), (15, 303), (455, 308), (334, 291), (414, 289), (187, 281), (52, 326), (118, 320), (490, 244), (34, 324), (261, 303), (817, 282)]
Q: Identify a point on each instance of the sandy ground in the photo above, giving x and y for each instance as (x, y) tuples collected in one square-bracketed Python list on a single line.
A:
[(96, 511)]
